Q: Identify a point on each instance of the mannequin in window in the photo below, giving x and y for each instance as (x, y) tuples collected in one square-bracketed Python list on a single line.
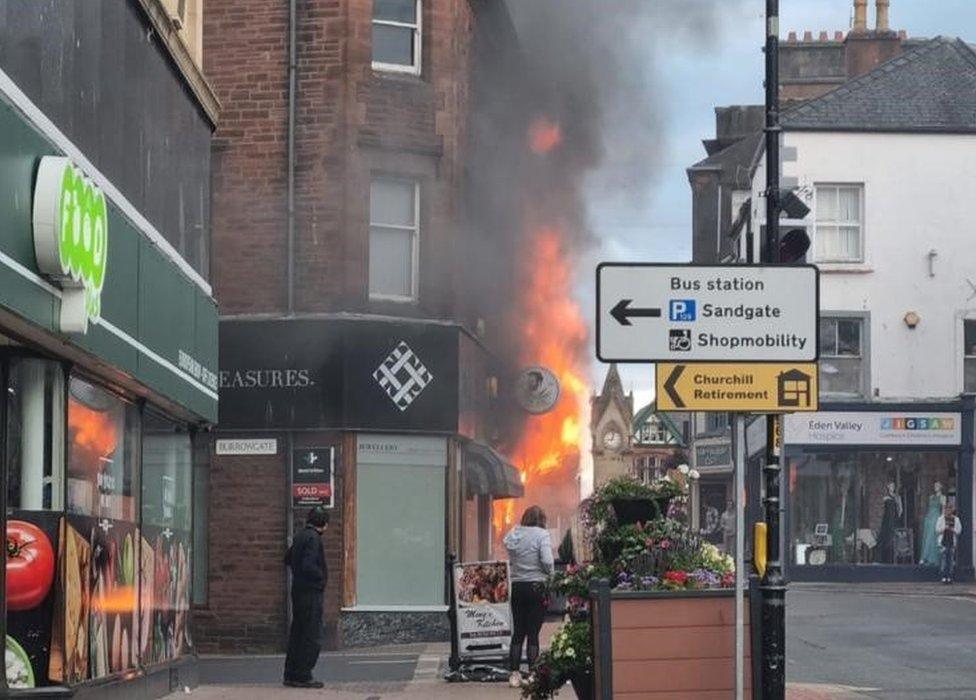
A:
[(889, 518), (930, 539)]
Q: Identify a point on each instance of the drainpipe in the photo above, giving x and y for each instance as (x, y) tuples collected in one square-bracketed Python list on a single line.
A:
[(292, 65)]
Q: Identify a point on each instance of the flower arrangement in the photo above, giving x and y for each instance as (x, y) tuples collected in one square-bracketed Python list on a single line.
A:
[(661, 554), (570, 655)]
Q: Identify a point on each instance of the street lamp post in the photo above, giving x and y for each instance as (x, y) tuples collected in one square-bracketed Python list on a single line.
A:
[(773, 585)]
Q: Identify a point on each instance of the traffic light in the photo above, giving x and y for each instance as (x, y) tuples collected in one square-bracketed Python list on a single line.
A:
[(793, 245)]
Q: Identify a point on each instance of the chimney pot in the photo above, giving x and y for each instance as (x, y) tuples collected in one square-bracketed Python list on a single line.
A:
[(883, 25), (860, 15), (807, 36), (823, 36), (838, 36), (791, 37)]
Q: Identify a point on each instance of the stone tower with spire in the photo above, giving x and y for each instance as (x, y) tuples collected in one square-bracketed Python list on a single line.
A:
[(611, 419)]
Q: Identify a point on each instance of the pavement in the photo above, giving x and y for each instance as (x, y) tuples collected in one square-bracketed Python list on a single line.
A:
[(844, 642)]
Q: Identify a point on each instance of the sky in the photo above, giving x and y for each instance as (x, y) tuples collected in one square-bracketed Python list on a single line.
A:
[(693, 79)]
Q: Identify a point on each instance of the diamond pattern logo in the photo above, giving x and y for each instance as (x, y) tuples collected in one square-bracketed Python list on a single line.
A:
[(403, 376)]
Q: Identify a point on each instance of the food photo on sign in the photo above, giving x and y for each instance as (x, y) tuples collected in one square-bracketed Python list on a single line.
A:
[(484, 621)]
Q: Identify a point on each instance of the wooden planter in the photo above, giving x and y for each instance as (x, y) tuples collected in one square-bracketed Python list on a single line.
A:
[(667, 646)]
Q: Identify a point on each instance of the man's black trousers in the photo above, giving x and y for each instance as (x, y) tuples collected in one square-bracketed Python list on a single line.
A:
[(305, 637)]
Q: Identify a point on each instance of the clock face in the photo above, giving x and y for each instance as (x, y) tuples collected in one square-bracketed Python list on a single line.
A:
[(612, 440)]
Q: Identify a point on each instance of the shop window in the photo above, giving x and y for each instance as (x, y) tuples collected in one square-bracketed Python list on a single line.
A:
[(201, 521), (839, 233), (166, 552), (100, 595), (868, 507), (397, 35), (842, 357), (400, 540), (35, 435), (103, 443), (394, 231), (969, 355)]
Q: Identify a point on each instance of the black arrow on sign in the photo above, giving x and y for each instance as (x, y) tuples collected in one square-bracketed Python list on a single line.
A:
[(670, 384), (623, 313)]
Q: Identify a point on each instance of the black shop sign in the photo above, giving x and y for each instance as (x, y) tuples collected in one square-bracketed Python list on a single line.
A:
[(339, 374), (313, 477)]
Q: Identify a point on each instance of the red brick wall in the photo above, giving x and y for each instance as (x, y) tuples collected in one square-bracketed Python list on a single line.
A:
[(245, 609), (350, 120), (246, 60)]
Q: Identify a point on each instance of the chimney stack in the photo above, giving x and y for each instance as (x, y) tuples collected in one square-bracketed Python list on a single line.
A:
[(860, 15), (883, 25)]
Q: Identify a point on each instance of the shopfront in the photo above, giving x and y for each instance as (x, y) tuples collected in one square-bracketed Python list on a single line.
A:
[(400, 406), (865, 489), (108, 353), (713, 495)]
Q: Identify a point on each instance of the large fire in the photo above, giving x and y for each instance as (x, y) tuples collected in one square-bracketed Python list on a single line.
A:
[(552, 333)]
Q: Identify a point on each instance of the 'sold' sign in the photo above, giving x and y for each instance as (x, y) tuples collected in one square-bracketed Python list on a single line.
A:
[(753, 387), (313, 477), (694, 313)]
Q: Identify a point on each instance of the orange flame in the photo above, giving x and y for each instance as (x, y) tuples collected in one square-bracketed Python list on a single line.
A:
[(119, 600), (552, 334), (93, 434), (544, 135)]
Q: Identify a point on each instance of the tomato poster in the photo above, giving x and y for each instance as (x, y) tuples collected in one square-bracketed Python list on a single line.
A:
[(484, 618), (32, 580), (313, 477)]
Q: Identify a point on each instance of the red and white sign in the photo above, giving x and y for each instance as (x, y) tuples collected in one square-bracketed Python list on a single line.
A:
[(312, 494), (313, 477)]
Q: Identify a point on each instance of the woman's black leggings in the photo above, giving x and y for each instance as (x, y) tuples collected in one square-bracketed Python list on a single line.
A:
[(528, 613)]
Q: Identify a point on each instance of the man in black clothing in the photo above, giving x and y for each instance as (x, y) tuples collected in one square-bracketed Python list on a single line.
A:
[(306, 558)]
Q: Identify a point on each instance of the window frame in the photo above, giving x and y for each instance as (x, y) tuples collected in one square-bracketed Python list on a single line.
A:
[(414, 296), (864, 318), (862, 247), (966, 357), (418, 42)]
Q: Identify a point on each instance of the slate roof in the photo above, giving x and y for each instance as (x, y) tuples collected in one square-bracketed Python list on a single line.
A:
[(737, 160), (931, 88)]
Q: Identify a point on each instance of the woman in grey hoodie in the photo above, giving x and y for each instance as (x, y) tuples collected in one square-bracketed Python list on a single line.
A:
[(530, 560)]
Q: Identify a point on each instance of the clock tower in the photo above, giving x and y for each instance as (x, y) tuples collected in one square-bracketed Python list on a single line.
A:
[(611, 418)]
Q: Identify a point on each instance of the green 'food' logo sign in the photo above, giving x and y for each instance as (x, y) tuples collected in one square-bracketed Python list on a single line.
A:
[(71, 238)]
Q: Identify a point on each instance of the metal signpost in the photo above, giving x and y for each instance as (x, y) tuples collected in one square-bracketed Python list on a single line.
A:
[(731, 387), (693, 313), (773, 585)]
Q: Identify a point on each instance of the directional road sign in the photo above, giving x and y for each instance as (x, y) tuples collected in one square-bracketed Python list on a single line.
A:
[(748, 387), (694, 313)]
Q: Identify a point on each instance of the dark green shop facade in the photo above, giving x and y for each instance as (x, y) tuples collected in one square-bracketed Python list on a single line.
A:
[(108, 359)]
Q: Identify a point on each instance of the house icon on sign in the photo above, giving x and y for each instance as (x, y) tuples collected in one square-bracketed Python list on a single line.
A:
[(794, 389)]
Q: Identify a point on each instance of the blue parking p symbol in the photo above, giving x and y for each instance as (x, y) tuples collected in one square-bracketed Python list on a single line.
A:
[(682, 310)]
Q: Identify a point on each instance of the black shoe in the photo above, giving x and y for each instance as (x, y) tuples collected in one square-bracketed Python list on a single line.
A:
[(304, 684)]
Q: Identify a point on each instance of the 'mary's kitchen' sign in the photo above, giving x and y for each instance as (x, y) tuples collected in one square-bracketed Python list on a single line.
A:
[(870, 428)]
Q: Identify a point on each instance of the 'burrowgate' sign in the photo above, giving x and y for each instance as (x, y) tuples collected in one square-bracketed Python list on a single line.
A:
[(71, 239)]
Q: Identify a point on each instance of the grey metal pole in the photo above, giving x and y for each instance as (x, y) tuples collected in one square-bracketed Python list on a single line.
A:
[(739, 465), (773, 586)]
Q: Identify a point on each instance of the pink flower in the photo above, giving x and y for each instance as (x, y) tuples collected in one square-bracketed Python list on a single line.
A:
[(665, 544)]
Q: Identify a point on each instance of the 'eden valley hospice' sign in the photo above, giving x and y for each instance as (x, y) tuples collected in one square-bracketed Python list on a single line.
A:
[(873, 428)]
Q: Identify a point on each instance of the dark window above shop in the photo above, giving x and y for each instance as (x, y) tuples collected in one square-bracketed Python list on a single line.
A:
[(843, 356), (969, 356)]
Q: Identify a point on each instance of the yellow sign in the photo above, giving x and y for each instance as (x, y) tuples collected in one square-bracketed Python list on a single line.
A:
[(754, 387)]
